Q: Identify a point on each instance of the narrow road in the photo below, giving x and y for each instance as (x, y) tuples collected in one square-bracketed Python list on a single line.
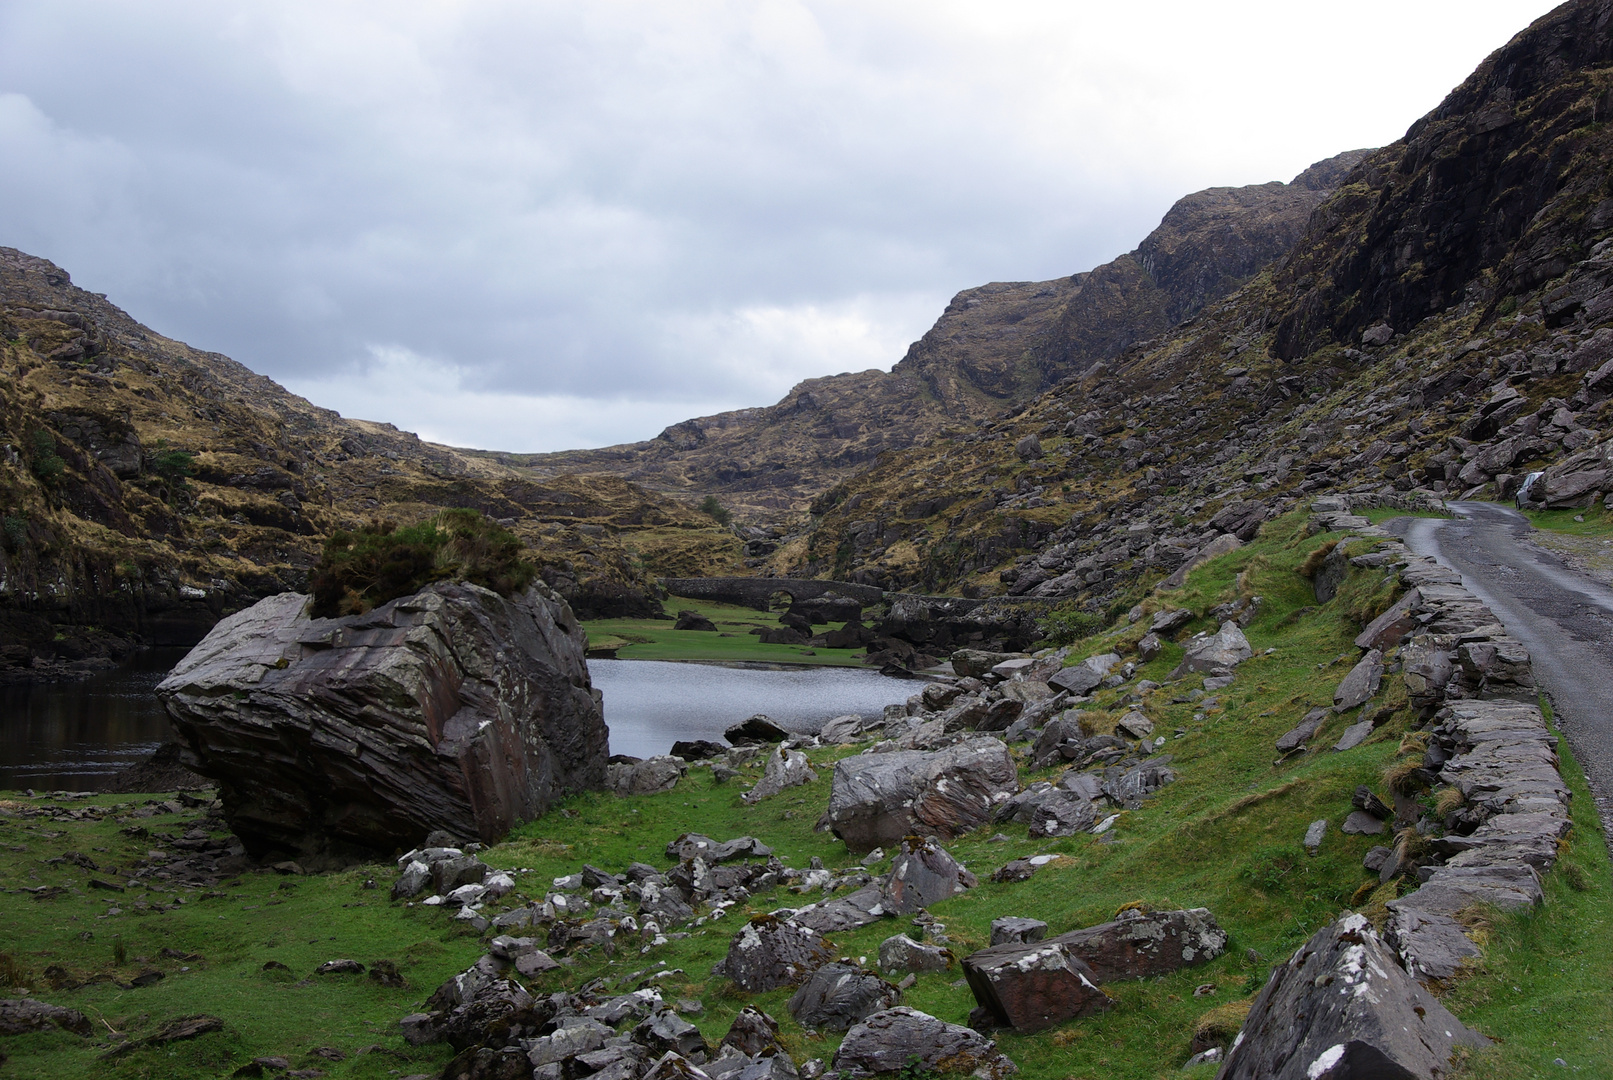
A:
[(1564, 619)]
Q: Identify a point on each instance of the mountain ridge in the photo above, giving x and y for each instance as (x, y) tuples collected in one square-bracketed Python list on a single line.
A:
[(993, 347)]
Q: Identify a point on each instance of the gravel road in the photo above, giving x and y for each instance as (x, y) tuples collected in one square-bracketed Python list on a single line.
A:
[(1563, 618)]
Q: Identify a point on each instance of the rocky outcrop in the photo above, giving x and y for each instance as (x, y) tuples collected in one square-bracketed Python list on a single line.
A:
[(877, 799), (453, 709), (993, 347), (1343, 1007)]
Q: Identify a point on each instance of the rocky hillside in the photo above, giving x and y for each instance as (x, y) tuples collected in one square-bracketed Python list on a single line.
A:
[(1443, 325), (995, 347), (148, 488)]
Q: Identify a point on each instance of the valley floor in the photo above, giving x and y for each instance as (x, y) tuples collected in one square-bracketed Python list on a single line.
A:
[(1226, 835)]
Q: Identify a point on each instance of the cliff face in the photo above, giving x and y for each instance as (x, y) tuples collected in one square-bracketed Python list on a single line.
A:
[(1443, 324), (148, 488), (994, 347)]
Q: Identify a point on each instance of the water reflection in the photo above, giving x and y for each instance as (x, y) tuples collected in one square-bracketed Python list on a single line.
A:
[(649, 704), (75, 735)]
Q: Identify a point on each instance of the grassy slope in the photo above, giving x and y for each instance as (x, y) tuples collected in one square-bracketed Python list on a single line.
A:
[(654, 639), (1226, 836)]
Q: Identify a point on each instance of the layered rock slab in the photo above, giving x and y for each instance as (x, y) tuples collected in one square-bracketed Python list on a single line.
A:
[(877, 799), (1343, 1007), (453, 709)]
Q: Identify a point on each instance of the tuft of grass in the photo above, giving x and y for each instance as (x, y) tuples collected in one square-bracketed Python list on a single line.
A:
[(1313, 562), (1220, 1025)]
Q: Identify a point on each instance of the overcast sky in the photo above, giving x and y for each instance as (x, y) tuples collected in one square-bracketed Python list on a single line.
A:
[(534, 226)]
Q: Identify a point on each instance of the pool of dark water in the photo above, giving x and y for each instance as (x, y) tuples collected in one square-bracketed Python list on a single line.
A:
[(75, 735)]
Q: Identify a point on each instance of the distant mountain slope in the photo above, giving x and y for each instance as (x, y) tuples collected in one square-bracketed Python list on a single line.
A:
[(1445, 323), (147, 487), (995, 347)]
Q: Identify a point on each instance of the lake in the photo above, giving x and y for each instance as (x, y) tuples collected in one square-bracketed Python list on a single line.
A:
[(649, 704), (74, 736)]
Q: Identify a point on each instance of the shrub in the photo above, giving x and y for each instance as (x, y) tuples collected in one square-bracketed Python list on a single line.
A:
[(716, 510), (174, 464), (48, 465), (381, 562), (1066, 626), (16, 532)]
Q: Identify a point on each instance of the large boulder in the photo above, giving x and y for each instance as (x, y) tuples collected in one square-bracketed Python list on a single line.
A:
[(1141, 945), (897, 1040), (1342, 1007), (455, 709), (877, 799)]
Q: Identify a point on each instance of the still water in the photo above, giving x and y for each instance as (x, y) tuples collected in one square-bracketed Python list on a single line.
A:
[(75, 736), (649, 704)]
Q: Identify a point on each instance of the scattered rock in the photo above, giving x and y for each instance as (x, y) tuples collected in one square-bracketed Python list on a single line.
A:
[(842, 729), (973, 663), (1315, 833), (1360, 684), (895, 1040), (1433, 946), (921, 874), (647, 777), (838, 996), (698, 749), (769, 952), (19, 1016), (1354, 736), (877, 799), (1011, 929), (1034, 986), (1215, 653), (784, 769), (759, 730), (666, 1031), (1141, 945), (1342, 1007), (693, 620), (900, 953), (1361, 823), (1086, 676), (754, 1033), (1307, 728)]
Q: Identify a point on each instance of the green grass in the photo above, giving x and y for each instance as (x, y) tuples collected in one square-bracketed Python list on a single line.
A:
[(1598, 521), (1227, 836), (654, 639), (1380, 514)]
